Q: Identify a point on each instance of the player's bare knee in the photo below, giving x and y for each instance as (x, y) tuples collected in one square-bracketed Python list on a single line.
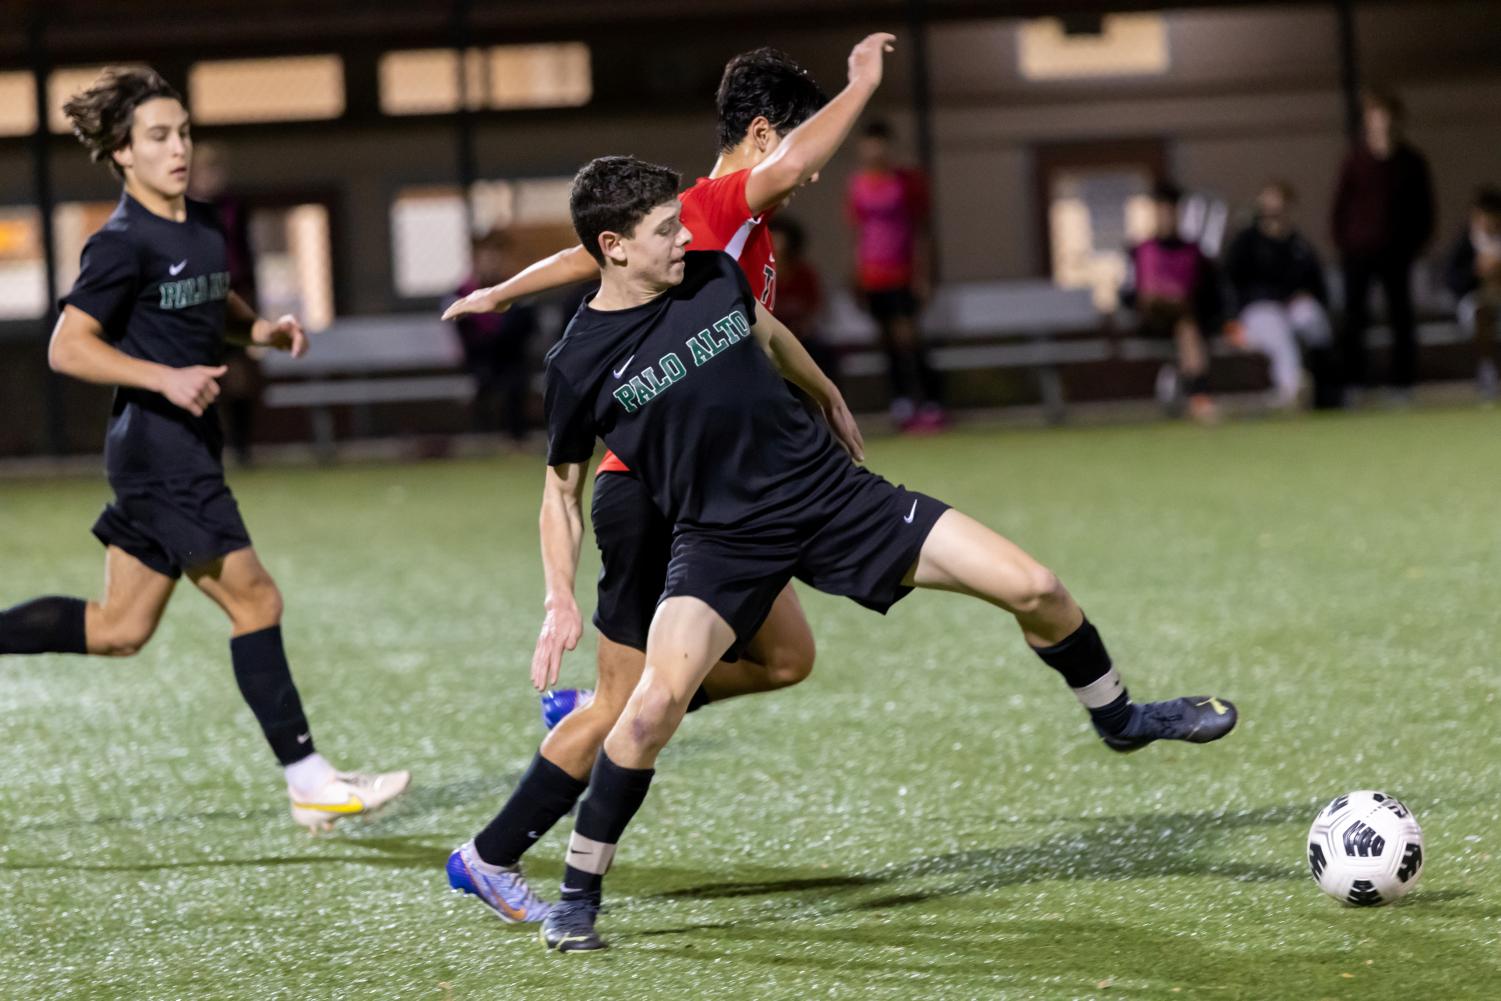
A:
[(120, 637), (1043, 590), (792, 662), (261, 606), (653, 714)]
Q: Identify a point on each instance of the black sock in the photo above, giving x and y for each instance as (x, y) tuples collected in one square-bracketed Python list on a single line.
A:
[(543, 797), (1084, 662), (44, 625), (614, 796), (699, 700), (265, 681), (1196, 385)]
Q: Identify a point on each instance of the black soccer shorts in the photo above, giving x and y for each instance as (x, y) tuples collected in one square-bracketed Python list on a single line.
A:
[(172, 526), (634, 541), (858, 541)]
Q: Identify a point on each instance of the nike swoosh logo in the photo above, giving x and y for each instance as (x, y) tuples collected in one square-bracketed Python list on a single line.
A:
[(176, 269), (575, 851), (1219, 707), (352, 805), (910, 513), (621, 370), (533, 835), (303, 738)]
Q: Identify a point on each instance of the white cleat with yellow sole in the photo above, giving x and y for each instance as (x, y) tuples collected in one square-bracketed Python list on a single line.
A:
[(347, 794)]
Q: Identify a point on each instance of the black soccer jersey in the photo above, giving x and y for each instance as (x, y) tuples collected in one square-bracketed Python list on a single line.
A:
[(158, 288), (681, 391)]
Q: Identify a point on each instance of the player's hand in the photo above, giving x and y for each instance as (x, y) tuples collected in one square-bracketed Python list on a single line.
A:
[(1235, 334), (842, 423), (561, 630), (193, 388), (865, 59), (284, 334), (481, 300)]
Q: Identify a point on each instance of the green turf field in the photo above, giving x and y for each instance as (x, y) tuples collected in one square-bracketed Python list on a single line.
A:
[(928, 816)]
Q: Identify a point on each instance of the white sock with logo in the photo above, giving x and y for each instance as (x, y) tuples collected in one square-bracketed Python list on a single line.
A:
[(308, 775)]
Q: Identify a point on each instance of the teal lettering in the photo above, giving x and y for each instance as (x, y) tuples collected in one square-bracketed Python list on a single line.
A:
[(672, 367), (725, 325), (644, 393), (700, 353), (627, 398), (741, 323)]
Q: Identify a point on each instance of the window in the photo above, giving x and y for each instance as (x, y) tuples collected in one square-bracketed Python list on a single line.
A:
[(294, 263), (23, 276), (1093, 216), (1115, 45), (282, 89), (426, 81), (17, 104), (430, 228)]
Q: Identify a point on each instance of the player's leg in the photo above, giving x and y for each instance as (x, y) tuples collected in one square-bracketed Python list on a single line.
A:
[(1353, 368), (1193, 363), (962, 555), (1396, 287), (779, 655), (240, 585), (1269, 331), (687, 637), (118, 625)]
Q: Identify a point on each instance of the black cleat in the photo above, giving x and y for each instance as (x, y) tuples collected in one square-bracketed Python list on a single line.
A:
[(569, 926), (1197, 719)]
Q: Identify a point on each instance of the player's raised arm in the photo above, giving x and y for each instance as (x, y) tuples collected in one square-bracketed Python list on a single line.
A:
[(561, 525), (78, 348), (799, 368), (566, 267), (809, 147)]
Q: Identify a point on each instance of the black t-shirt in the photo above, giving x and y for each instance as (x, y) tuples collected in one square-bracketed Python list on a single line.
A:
[(158, 289), (680, 390)]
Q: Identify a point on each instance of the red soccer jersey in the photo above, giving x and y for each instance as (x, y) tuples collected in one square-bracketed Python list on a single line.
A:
[(717, 214)]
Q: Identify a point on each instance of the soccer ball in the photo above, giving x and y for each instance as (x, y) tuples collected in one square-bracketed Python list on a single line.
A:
[(1365, 848)]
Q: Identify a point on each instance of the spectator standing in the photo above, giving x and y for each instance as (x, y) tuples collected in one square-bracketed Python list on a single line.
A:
[(1278, 297), (1175, 292), (1473, 274), (888, 210), (1383, 216), (800, 293), (496, 345)]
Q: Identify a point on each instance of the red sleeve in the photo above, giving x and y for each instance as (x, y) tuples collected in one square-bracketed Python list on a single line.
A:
[(851, 207), (714, 210)]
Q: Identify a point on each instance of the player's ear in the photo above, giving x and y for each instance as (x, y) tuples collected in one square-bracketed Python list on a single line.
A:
[(762, 135), (612, 245), (124, 157)]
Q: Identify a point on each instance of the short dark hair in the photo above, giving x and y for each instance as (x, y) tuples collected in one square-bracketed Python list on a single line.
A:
[(1165, 192), (1488, 200), (878, 129), (103, 114), (614, 193), (1282, 187), (764, 82)]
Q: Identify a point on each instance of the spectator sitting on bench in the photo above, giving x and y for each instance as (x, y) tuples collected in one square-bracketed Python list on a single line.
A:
[(1278, 298), (496, 344), (1175, 292), (1473, 274)]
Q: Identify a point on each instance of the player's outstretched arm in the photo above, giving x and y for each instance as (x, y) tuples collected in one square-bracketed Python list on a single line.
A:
[(78, 348), (809, 147), (799, 368), (566, 267), (561, 525)]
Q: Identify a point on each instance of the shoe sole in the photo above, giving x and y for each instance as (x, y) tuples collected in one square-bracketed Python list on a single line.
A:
[(468, 889), (559, 950)]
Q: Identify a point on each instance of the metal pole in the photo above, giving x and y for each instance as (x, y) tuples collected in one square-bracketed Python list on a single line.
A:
[(41, 173), (1349, 67), (464, 124), (922, 111)]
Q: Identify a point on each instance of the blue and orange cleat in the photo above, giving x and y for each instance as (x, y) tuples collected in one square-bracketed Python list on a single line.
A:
[(560, 702), (502, 888)]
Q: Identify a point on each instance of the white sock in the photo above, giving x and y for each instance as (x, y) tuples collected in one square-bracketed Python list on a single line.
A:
[(310, 774), (1100, 693)]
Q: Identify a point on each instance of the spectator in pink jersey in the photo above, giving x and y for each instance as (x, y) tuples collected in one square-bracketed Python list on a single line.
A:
[(1175, 292), (888, 210)]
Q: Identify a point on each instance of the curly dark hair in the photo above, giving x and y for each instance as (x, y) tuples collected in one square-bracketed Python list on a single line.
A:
[(102, 115), (614, 193), (765, 82)]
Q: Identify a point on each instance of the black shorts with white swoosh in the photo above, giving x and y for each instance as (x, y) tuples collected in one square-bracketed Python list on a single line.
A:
[(859, 544)]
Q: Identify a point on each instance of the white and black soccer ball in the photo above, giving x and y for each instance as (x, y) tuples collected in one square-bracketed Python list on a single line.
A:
[(1365, 848)]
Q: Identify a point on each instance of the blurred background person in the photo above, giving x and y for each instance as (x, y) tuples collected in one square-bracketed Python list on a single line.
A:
[(1383, 216), (800, 301), (241, 387), (887, 208), (497, 345), (1473, 274), (1278, 299), (1175, 291)]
